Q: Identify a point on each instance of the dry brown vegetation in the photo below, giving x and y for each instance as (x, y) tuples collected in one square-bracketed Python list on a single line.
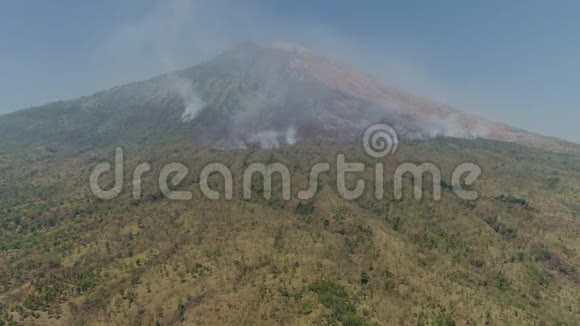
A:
[(68, 258)]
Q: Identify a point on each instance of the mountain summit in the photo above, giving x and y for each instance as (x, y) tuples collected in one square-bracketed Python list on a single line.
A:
[(253, 95)]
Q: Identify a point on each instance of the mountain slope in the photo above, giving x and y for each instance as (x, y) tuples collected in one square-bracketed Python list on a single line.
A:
[(68, 257), (253, 95)]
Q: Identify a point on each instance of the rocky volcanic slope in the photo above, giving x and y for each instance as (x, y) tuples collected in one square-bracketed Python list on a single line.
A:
[(251, 95)]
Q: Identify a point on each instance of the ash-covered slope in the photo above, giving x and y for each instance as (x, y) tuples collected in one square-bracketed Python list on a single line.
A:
[(251, 95)]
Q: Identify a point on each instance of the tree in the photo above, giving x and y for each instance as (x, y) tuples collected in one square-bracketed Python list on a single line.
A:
[(181, 312), (364, 278)]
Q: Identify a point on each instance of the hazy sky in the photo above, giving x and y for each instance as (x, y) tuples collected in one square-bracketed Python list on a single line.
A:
[(513, 61)]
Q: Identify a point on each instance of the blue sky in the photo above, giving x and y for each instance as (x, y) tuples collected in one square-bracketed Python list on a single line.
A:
[(513, 61)]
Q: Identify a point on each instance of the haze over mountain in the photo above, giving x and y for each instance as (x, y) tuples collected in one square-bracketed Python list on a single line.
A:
[(70, 257), (254, 95)]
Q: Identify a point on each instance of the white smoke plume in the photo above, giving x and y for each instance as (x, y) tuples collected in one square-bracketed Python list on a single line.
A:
[(291, 135), (269, 139), (193, 104), (450, 126)]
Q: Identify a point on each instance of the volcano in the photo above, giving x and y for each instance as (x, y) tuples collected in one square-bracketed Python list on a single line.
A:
[(68, 257), (253, 95)]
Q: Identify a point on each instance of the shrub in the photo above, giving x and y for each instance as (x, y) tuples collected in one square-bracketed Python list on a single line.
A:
[(305, 209), (364, 278), (502, 229), (335, 297), (502, 283), (512, 200), (181, 312)]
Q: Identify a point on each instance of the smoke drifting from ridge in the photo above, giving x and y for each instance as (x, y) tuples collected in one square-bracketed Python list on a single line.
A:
[(184, 88), (269, 139), (291, 136), (179, 33), (152, 45), (450, 126), (193, 103), (176, 34)]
